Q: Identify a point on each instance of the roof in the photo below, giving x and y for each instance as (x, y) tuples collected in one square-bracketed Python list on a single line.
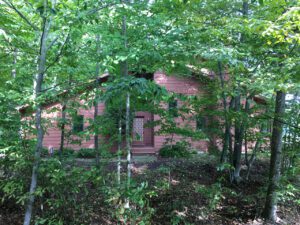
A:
[(79, 89), (89, 85)]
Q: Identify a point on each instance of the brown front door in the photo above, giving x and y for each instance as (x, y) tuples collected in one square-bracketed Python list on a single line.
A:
[(141, 134)]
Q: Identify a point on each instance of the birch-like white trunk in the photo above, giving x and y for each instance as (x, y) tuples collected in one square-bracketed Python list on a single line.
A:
[(127, 118), (14, 69), (119, 152), (96, 136), (38, 115)]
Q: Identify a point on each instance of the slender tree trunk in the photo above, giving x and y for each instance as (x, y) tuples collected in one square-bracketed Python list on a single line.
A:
[(275, 161), (238, 141), (249, 162), (62, 136), (119, 151), (14, 69), (96, 136), (227, 125), (128, 142), (239, 126), (38, 116), (127, 118), (63, 125)]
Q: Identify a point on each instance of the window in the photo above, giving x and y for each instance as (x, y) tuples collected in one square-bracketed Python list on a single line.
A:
[(200, 123), (138, 129), (77, 124), (173, 107)]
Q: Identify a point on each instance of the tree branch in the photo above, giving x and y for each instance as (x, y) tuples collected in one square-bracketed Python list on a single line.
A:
[(279, 120), (53, 42), (92, 11), (10, 5), (59, 52)]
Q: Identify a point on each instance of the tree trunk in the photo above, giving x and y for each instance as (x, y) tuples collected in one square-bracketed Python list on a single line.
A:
[(38, 116), (127, 118), (62, 136), (63, 125), (239, 126), (227, 127), (96, 136), (275, 161), (14, 69), (119, 150), (128, 143), (239, 137), (238, 142), (249, 162)]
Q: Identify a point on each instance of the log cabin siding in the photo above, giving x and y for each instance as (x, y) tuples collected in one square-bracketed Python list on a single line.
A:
[(186, 86)]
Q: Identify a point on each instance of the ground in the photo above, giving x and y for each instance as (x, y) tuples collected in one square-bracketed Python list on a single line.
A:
[(188, 191)]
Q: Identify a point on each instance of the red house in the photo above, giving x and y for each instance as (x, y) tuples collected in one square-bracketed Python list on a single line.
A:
[(149, 141)]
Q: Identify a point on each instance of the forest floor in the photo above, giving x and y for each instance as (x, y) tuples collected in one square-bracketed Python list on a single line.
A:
[(190, 191)]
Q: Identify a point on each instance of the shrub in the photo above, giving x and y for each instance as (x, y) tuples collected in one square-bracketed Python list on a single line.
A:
[(86, 153), (138, 196), (66, 193), (180, 149), (66, 152)]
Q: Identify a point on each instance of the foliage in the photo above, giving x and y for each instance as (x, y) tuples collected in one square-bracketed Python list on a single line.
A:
[(258, 51), (86, 153), (213, 193), (64, 193), (15, 167), (178, 150), (139, 210)]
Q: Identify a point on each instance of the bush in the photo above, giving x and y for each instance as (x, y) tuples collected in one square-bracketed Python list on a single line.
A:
[(138, 196), (86, 153), (179, 150), (66, 193), (66, 152)]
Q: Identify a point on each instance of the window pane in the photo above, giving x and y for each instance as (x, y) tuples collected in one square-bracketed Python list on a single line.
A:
[(138, 129), (173, 108), (77, 123), (200, 123)]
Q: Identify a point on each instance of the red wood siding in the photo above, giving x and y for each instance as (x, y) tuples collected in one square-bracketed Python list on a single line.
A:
[(186, 86), (52, 137), (152, 143)]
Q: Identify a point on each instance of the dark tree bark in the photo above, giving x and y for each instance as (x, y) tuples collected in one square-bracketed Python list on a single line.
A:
[(239, 125), (238, 142), (275, 161), (62, 128), (96, 130), (63, 124), (249, 162), (227, 126)]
